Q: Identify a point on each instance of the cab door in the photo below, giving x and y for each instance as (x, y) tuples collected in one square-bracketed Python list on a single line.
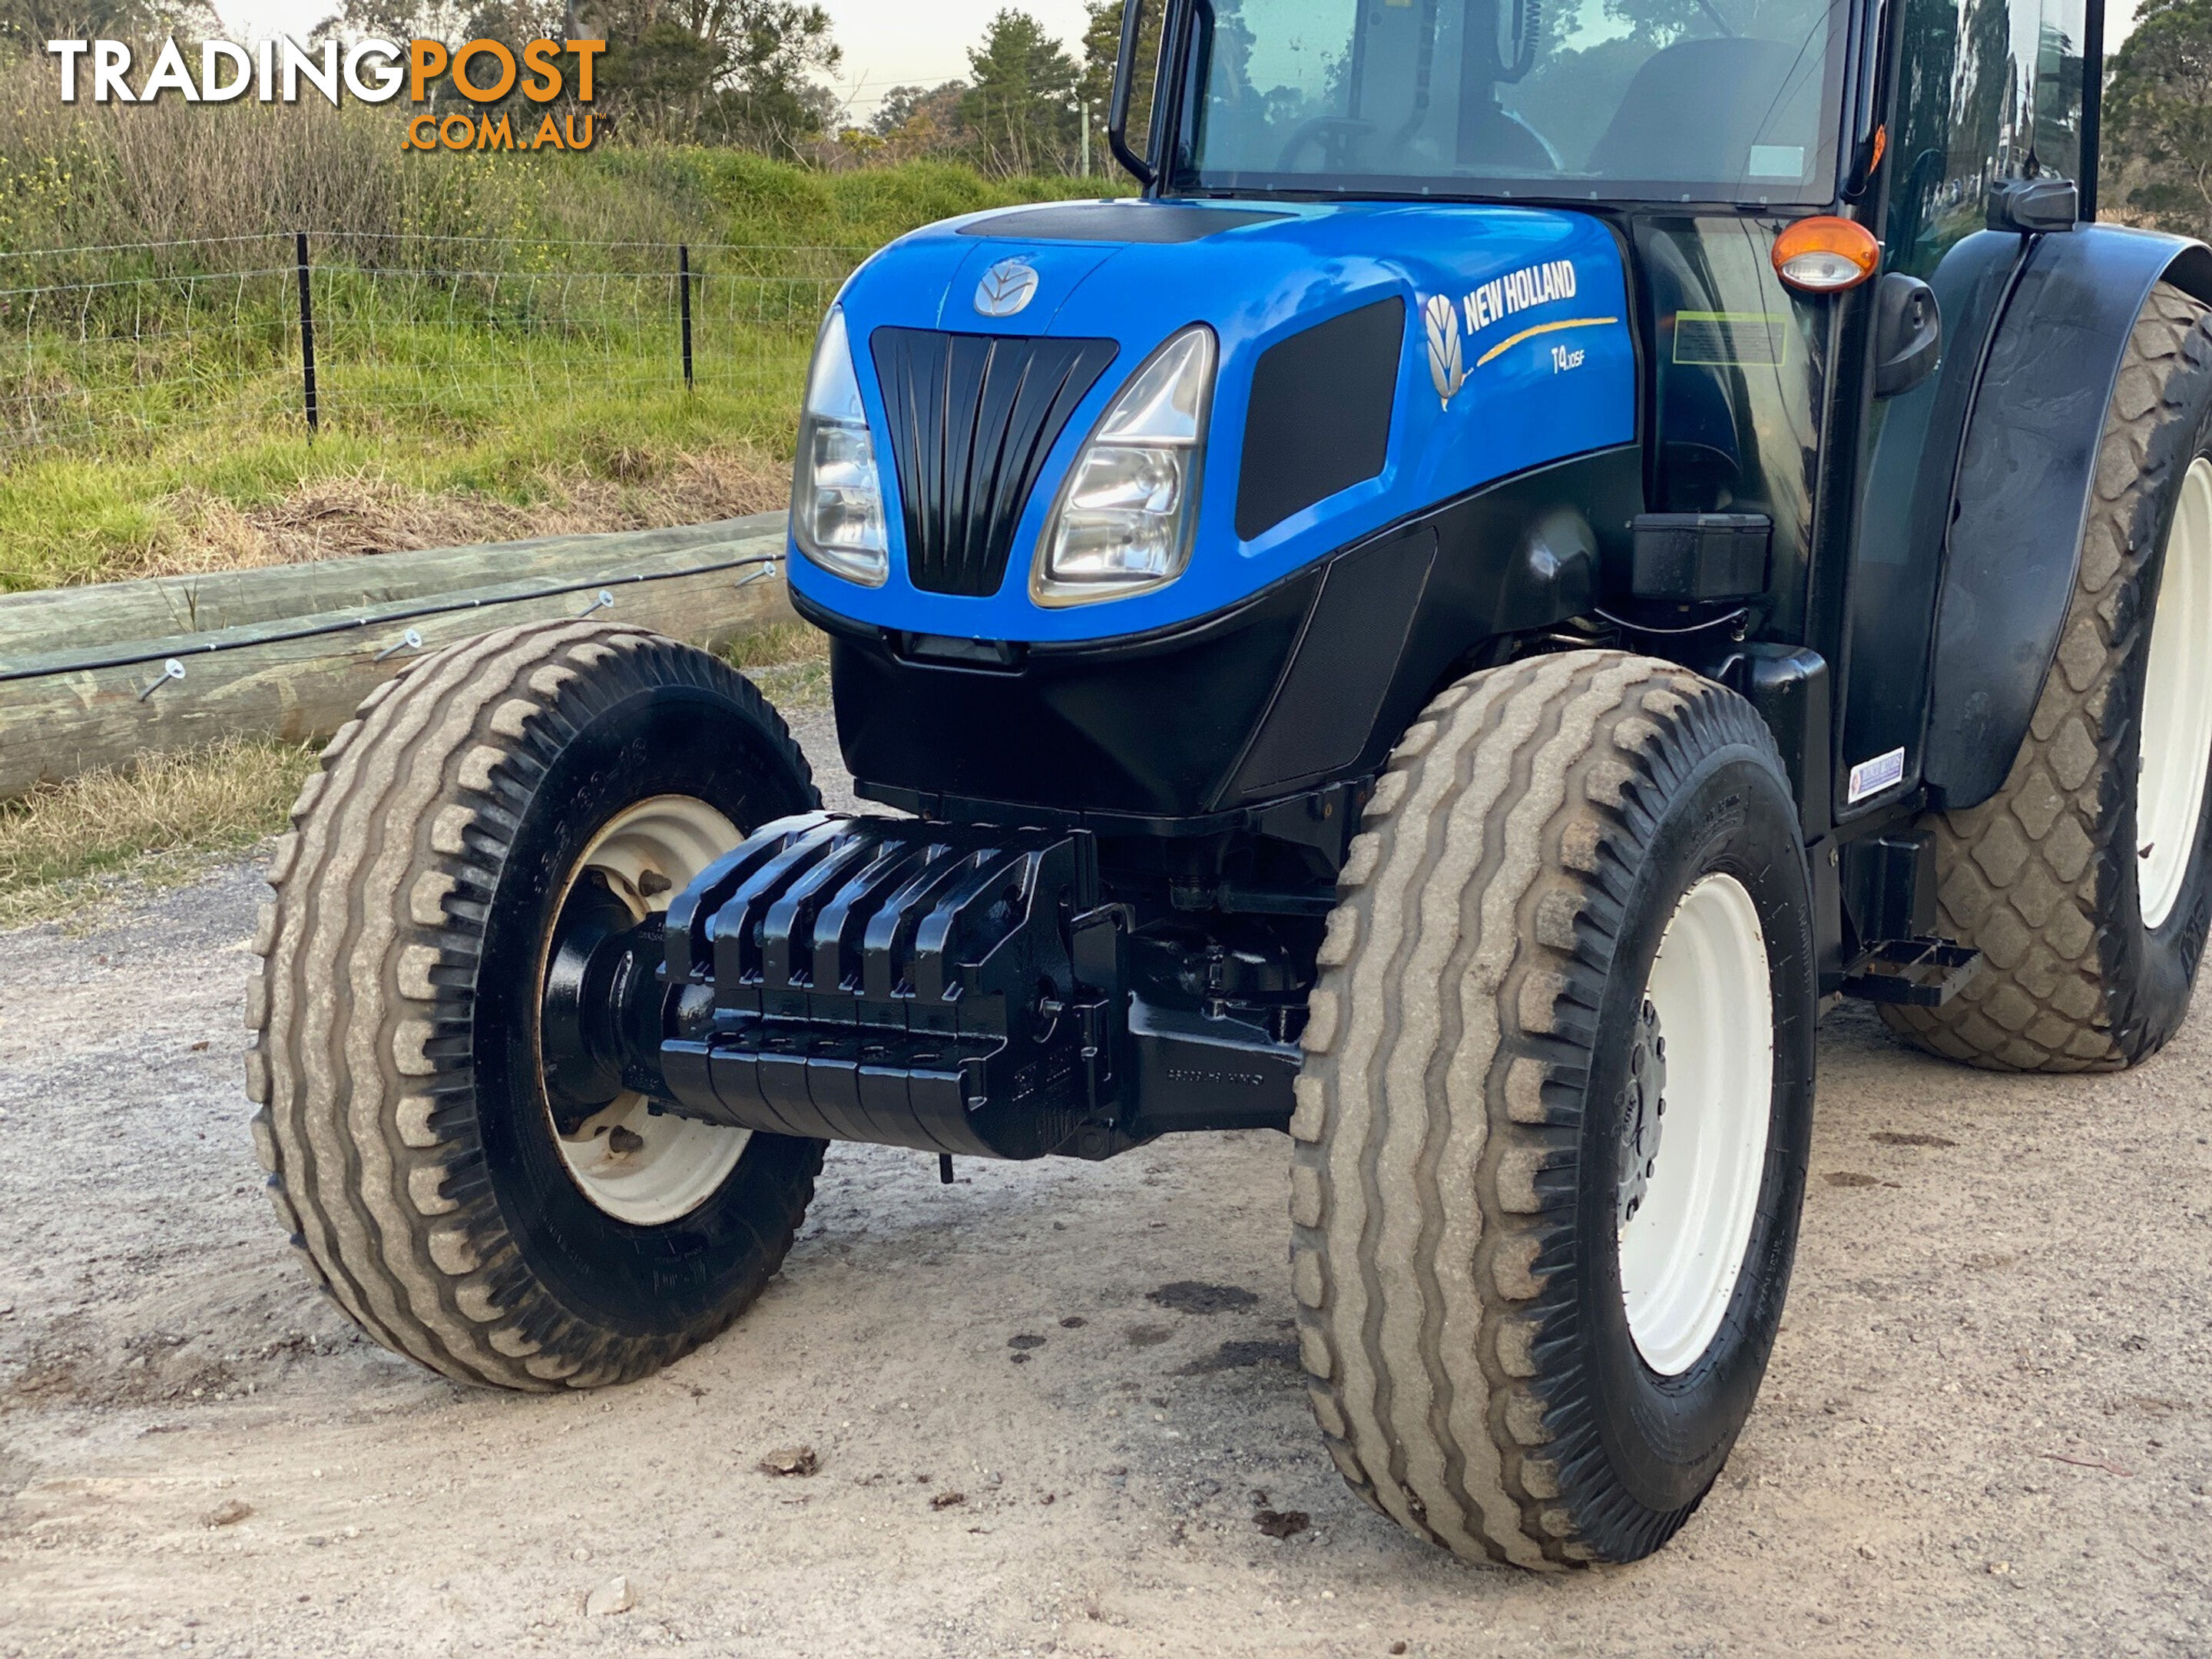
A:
[(1984, 90)]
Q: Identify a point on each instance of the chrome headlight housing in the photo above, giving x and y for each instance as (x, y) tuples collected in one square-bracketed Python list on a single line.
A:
[(1126, 517), (836, 492)]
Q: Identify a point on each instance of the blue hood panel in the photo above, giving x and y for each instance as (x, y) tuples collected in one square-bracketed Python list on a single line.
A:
[(1536, 373)]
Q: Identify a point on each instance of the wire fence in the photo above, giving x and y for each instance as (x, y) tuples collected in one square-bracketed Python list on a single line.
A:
[(386, 334)]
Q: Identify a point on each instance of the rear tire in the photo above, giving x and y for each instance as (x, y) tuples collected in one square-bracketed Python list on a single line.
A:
[(412, 1144), (1567, 860), (2085, 881)]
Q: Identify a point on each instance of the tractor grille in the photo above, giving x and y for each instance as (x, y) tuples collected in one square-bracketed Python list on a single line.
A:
[(973, 417)]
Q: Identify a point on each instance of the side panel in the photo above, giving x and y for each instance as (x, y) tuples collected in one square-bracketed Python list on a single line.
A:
[(1897, 562), (2023, 491), (1739, 369)]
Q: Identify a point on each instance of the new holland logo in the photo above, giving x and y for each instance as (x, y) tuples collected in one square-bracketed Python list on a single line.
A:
[(1006, 289), (1447, 361), (1451, 322)]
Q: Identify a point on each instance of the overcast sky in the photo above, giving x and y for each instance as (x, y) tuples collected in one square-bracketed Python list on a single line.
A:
[(887, 43)]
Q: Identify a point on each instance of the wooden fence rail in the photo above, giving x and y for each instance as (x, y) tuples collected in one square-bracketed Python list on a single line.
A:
[(87, 677)]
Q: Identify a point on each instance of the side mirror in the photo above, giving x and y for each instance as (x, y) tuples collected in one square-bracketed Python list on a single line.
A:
[(1126, 69), (2032, 205), (1908, 334)]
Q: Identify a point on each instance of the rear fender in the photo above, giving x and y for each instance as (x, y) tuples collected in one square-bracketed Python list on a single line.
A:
[(2021, 501)]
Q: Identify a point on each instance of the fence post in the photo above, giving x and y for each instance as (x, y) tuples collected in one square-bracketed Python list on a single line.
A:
[(308, 335), (683, 270)]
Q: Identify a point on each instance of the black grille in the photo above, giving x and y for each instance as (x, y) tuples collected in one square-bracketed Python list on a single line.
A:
[(973, 417)]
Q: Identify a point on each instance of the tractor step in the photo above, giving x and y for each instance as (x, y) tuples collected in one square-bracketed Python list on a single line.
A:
[(1923, 973)]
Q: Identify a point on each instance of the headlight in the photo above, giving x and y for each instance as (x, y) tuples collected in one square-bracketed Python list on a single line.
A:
[(1125, 517), (837, 496)]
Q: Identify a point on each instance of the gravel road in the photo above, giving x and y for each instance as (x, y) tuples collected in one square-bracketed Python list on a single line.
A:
[(1047, 1402)]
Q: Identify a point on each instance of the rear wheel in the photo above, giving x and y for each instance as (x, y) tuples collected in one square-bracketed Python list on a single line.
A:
[(2086, 881), (1552, 1132), (496, 834)]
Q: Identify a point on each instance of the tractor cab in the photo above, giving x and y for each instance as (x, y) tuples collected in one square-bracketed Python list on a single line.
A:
[(1504, 99)]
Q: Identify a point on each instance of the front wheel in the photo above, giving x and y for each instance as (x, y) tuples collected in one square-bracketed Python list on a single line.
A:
[(484, 843), (1551, 1136)]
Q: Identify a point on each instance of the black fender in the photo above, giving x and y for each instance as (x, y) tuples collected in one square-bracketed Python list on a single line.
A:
[(2021, 500)]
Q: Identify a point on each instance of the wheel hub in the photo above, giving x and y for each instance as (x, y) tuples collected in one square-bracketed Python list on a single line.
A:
[(1644, 1105), (599, 1013), (601, 1006)]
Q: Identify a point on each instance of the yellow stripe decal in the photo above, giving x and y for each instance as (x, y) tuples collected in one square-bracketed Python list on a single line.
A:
[(1504, 346)]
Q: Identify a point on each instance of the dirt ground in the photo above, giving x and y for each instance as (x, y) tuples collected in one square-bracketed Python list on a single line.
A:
[(1049, 1401)]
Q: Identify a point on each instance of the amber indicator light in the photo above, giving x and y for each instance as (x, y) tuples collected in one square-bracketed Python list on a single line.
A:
[(1825, 255)]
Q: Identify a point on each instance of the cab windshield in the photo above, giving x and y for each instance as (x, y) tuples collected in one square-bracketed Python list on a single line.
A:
[(1703, 100)]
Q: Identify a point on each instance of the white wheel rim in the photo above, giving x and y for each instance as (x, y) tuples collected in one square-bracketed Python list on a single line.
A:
[(2177, 714), (637, 1166), (1682, 1251)]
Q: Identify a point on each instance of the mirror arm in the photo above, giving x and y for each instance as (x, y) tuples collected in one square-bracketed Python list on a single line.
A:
[(1117, 118)]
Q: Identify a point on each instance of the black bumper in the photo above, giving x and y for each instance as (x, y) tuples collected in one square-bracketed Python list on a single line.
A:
[(956, 989)]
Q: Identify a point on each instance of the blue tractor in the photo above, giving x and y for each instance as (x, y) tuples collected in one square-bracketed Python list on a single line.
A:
[(1548, 546)]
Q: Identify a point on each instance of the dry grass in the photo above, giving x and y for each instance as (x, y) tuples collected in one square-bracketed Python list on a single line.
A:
[(68, 846), (789, 662), (195, 530), (68, 849)]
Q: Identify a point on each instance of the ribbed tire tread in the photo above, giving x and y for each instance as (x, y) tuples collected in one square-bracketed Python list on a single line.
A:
[(2027, 877), (361, 1060), (1432, 1182)]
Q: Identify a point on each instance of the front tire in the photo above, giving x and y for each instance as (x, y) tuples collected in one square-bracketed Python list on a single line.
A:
[(483, 809), (1535, 1317), (2086, 881)]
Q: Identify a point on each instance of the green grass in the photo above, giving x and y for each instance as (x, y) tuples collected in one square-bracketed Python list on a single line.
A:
[(789, 662), (136, 509), (151, 416)]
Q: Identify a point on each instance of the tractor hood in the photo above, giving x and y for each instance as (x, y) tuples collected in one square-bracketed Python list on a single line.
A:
[(1375, 361)]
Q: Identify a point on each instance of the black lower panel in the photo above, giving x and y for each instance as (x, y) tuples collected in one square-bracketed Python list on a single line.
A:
[(1151, 730), (1308, 684)]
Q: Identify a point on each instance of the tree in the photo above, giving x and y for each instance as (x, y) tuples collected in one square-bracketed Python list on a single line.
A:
[(2158, 115), (26, 26), (902, 105), (920, 120), (1020, 104), (767, 97), (739, 71)]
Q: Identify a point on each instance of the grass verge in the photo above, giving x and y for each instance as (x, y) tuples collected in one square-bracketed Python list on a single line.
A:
[(66, 847), (69, 850)]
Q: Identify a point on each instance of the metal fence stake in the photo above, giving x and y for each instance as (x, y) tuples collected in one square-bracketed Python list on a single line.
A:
[(683, 270), (308, 335)]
